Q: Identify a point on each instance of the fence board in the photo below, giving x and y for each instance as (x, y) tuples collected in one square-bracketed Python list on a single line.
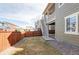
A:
[(9, 38)]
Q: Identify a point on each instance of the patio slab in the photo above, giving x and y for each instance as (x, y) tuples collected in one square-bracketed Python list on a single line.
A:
[(65, 48)]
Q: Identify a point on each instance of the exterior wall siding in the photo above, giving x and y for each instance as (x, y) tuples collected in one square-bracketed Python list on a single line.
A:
[(63, 11)]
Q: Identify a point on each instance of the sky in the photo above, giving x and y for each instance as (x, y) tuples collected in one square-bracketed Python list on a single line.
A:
[(21, 14)]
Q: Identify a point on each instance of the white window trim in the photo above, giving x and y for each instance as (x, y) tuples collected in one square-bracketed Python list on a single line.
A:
[(76, 32), (60, 5)]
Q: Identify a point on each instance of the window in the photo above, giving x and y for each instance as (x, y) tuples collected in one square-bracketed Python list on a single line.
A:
[(60, 4), (71, 24)]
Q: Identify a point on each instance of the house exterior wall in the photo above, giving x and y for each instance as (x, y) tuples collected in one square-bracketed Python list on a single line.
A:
[(12, 27), (63, 11), (7, 26)]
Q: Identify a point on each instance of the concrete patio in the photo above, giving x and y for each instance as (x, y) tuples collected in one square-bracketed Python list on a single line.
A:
[(65, 48)]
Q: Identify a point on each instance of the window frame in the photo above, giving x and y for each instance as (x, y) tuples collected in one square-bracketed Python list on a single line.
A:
[(72, 15)]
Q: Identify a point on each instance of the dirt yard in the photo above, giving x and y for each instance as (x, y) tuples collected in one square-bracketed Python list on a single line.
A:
[(35, 46)]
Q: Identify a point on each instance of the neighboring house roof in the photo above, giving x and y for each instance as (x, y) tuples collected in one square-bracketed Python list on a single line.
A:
[(11, 24), (7, 25)]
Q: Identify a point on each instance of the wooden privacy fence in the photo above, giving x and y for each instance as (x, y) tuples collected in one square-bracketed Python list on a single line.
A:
[(33, 33), (9, 38)]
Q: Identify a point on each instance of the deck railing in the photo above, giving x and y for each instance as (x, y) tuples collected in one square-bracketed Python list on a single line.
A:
[(51, 17)]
